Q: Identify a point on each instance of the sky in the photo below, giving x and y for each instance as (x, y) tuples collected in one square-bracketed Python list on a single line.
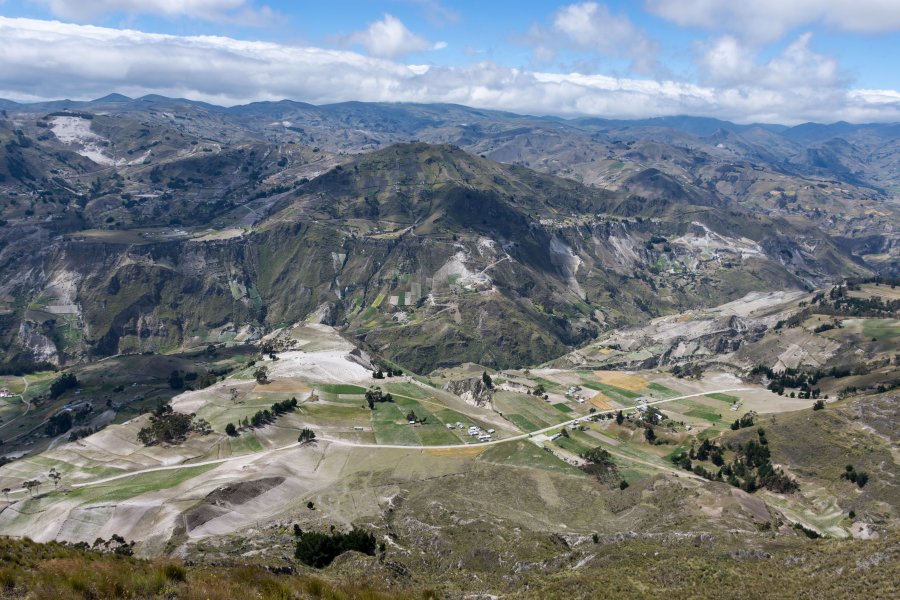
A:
[(773, 61)]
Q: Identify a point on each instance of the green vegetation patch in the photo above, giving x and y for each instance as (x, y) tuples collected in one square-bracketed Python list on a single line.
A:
[(129, 487), (523, 423), (881, 329), (563, 407), (613, 392), (245, 444), (391, 427), (665, 391), (341, 388), (703, 412), (526, 454), (573, 445), (724, 397)]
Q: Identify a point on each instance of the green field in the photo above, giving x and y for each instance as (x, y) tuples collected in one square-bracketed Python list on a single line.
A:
[(704, 412), (431, 433), (245, 444), (390, 426), (523, 423), (563, 407), (724, 398), (526, 454), (527, 412), (615, 393), (572, 444), (129, 487), (340, 388), (881, 329), (661, 389)]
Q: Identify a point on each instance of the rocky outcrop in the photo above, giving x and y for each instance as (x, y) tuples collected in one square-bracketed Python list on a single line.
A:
[(472, 390)]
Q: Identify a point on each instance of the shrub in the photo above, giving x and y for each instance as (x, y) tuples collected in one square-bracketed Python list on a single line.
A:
[(319, 549)]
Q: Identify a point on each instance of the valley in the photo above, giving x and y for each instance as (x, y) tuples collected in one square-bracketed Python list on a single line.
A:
[(531, 357)]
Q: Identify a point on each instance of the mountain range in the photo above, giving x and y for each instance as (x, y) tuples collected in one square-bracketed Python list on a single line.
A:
[(431, 233)]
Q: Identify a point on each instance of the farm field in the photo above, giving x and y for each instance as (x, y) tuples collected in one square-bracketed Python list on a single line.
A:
[(362, 457)]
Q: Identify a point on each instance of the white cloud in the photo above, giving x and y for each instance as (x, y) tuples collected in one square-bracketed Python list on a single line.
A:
[(727, 61), (591, 27), (768, 20), (52, 60), (389, 38), (209, 10)]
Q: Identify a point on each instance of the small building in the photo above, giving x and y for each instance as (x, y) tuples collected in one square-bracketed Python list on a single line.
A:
[(490, 431)]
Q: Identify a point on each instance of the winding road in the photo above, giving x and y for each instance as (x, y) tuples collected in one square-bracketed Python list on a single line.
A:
[(340, 442)]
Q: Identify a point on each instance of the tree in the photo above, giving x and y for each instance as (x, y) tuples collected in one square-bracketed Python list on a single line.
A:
[(59, 423), (411, 417), (261, 375), (63, 383), (650, 435), (620, 418), (31, 485), (487, 380), (6, 492), (54, 476), (231, 430), (320, 549), (176, 381), (374, 395), (818, 405), (623, 484), (539, 390), (653, 415), (311, 505), (306, 435)]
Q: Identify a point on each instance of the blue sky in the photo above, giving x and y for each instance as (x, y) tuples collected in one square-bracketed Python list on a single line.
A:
[(770, 60)]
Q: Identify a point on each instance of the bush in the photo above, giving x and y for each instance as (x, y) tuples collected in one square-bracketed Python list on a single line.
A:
[(168, 426), (59, 423), (62, 384), (319, 549)]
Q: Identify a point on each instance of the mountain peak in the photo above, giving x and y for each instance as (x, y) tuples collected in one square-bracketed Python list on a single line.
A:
[(113, 98)]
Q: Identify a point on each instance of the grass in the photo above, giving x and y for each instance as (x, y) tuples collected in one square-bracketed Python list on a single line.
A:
[(624, 396), (572, 445), (55, 570), (526, 454), (129, 487), (724, 397), (341, 388), (706, 414), (391, 427), (881, 329), (550, 386), (523, 423), (245, 444), (562, 407), (665, 391)]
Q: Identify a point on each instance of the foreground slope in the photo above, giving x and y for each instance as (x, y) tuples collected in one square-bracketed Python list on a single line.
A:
[(464, 516)]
